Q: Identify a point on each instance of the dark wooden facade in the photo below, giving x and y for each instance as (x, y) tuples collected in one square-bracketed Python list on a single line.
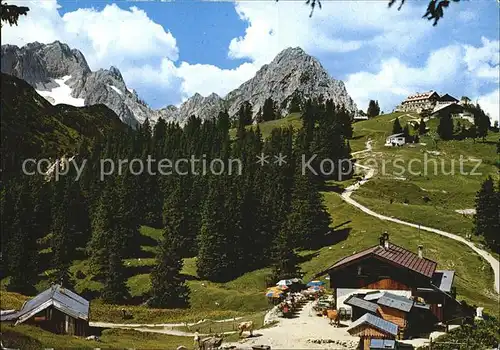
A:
[(392, 268), (58, 322)]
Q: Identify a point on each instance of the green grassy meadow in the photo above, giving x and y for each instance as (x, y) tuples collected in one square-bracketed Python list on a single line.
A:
[(430, 200)]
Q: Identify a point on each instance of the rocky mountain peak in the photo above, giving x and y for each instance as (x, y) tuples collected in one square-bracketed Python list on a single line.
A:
[(115, 73), (291, 52), (55, 67), (291, 72)]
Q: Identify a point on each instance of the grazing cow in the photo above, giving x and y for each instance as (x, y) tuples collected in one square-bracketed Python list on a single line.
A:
[(333, 317), (246, 326)]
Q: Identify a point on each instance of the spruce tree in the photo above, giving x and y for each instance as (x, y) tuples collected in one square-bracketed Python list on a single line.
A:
[(215, 256), (481, 121), (115, 290), (406, 132), (103, 229), (285, 262), (168, 286), (487, 218), (22, 248), (308, 221), (396, 127), (295, 104), (373, 109), (422, 127), (268, 110), (445, 127)]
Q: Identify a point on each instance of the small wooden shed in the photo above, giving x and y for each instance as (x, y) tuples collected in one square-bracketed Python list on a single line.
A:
[(57, 310), (370, 327)]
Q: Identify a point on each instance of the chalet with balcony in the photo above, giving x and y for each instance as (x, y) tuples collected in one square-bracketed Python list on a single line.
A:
[(419, 102), (425, 101), (397, 274)]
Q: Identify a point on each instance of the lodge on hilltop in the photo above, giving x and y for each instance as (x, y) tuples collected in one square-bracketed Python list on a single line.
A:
[(425, 101)]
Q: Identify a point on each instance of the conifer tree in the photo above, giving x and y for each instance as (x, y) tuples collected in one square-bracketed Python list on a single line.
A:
[(373, 109), (295, 104), (215, 256), (406, 131), (308, 221), (344, 118), (445, 127), (103, 227), (268, 110), (168, 286), (396, 127), (487, 218), (115, 290), (22, 248), (481, 121), (422, 127), (285, 260)]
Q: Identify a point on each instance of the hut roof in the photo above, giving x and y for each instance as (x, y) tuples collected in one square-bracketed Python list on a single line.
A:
[(60, 298), (394, 254), (376, 322)]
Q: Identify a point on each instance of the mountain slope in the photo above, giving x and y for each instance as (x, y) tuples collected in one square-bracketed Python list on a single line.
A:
[(32, 127), (62, 75)]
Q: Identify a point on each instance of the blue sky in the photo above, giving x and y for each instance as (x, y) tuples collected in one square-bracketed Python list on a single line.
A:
[(167, 51)]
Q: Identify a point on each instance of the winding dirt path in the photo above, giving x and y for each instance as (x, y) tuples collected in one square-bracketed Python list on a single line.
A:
[(370, 172), (163, 328)]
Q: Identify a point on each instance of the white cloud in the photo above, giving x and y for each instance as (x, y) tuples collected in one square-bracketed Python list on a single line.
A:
[(467, 16), (205, 78), (273, 27), (490, 103), (484, 61), (112, 36), (464, 69), (395, 79)]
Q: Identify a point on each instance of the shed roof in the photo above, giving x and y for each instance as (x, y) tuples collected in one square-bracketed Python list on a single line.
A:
[(361, 303), (61, 298), (443, 106), (396, 302), (394, 254), (376, 322), (382, 344), (448, 97), (443, 279)]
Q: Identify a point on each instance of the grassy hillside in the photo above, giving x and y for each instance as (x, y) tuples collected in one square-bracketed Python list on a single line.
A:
[(266, 127), (33, 338), (32, 127), (416, 183), (353, 231)]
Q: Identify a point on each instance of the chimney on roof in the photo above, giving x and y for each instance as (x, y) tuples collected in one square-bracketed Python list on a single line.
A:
[(420, 251), (384, 240)]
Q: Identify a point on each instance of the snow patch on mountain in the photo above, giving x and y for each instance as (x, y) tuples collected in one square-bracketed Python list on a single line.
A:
[(62, 94), (116, 89)]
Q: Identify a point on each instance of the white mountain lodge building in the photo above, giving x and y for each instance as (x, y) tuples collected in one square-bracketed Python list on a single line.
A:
[(426, 100)]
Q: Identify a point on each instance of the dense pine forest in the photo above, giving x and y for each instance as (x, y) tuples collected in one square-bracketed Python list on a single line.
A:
[(233, 222)]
